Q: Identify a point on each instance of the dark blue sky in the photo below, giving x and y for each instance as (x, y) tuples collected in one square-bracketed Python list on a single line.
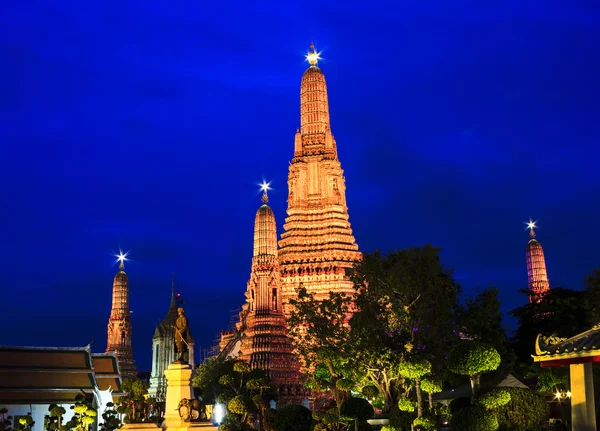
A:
[(147, 126)]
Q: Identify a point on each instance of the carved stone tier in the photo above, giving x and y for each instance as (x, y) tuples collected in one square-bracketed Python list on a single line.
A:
[(317, 245)]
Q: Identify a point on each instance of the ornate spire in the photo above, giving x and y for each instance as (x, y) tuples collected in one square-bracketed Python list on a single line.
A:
[(265, 229), (317, 245), (314, 106), (537, 277), (119, 323)]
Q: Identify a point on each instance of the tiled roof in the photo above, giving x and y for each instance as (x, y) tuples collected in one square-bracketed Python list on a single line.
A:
[(32, 375), (584, 345)]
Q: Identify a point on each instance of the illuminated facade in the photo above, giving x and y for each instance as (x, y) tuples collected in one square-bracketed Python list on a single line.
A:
[(119, 324), (163, 349), (314, 251), (265, 344), (537, 276), (317, 245)]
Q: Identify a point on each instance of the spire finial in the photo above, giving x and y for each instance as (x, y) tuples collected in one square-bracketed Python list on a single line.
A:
[(172, 285), (531, 225), (121, 258), (265, 187), (313, 56)]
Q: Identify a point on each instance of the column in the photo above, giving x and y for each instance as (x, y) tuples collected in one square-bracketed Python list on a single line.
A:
[(583, 413)]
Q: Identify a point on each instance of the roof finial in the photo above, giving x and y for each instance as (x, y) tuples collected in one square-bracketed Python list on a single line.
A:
[(313, 56), (122, 258), (531, 225), (265, 187), (173, 286)]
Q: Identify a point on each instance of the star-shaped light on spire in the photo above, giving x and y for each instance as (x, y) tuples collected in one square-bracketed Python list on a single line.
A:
[(121, 258), (313, 56), (531, 225), (265, 187)]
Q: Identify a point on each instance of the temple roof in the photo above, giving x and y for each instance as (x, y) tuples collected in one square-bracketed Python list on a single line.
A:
[(165, 328), (31, 375), (577, 348)]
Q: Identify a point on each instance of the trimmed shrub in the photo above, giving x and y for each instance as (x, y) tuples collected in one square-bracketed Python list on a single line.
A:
[(473, 357), (415, 368), (237, 405), (493, 399), (424, 423), (473, 419), (292, 418), (370, 391), (344, 384), (526, 411), (357, 408), (406, 405), (431, 386)]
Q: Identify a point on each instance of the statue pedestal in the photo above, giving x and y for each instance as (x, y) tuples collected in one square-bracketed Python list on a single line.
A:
[(140, 427), (179, 386)]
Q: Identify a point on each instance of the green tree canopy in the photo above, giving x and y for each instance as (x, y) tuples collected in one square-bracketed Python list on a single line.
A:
[(472, 358)]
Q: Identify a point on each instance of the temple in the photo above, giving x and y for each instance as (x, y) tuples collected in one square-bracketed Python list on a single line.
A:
[(537, 283), (119, 324), (315, 250), (163, 348), (261, 337), (317, 245)]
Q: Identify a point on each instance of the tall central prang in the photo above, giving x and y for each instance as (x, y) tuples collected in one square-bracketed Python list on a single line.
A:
[(317, 246)]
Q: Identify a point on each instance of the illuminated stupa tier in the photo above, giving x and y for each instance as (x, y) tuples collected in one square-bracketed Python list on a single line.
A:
[(537, 277), (317, 245), (119, 323)]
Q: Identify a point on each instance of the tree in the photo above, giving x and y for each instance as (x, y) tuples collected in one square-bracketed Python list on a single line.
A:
[(5, 420), (472, 359), (319, 331), (563, 312), (83, 417), (358, 409), (527, 410), (431, 386), (474, 419), (406, 304), (481, 320), (414, 369), (244, 392)]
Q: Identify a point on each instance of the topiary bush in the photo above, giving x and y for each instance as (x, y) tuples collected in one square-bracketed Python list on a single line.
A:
[(344, 384), (526, 411), (415, 368), (424, 423), (406, 405), (292, 418), (473, 419), (493, 399), (370, 391), (472, 358), (431, 386), (237, 405), (357, 408)]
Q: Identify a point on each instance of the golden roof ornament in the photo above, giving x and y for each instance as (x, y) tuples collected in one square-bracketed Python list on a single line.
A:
[(265, 187), (313, 56), (531, 225)]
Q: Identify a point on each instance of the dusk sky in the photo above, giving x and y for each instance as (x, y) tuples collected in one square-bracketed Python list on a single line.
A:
[(147, 126)]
